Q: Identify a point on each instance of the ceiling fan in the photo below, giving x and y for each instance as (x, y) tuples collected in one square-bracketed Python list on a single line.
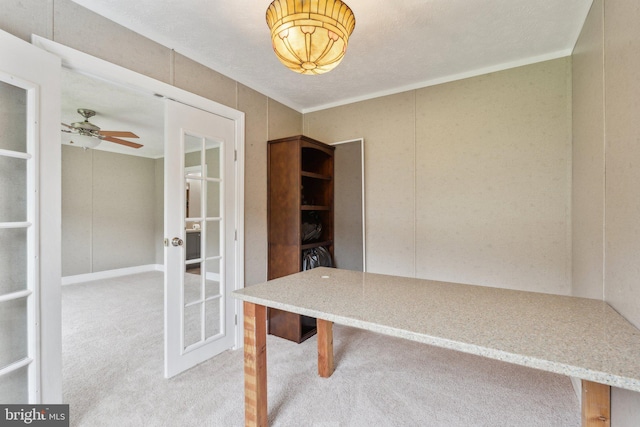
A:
[(88, 129)]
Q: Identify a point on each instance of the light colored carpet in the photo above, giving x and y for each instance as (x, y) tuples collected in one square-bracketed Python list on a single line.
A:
[(113, 375)]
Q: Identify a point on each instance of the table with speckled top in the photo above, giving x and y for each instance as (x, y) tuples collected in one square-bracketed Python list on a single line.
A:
[(578, 337)]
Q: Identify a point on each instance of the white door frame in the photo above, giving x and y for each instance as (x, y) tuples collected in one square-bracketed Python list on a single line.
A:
[(83, 63)]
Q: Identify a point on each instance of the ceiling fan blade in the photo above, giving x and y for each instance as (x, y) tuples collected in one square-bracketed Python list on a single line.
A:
[(117, 133), (64, 124), (121, 141)]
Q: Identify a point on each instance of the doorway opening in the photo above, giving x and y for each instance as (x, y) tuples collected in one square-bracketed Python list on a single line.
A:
[(349, 199), (103, 259)]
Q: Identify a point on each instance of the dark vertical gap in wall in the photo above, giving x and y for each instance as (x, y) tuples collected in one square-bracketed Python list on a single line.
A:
[(267, 124), (93, 210), (604, 157), (305, 124), (415, 183), (52, 10), (237, 96), (569, 172), (172, 67)]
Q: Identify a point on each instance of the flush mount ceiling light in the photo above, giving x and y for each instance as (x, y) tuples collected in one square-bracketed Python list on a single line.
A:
[(310, 36)]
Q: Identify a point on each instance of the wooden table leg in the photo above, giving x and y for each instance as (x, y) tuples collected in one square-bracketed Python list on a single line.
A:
[(255, 365), (596, 404), (325, 348)]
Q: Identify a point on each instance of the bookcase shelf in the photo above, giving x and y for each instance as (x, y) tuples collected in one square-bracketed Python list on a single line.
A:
[(300, 189)]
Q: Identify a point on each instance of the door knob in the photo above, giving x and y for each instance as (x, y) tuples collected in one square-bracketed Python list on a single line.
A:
[(176, 241)]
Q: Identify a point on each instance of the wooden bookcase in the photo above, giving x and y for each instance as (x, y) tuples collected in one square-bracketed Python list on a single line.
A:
[(300, 185)]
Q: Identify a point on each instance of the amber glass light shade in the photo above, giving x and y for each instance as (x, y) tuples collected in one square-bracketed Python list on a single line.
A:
[(310, 36)]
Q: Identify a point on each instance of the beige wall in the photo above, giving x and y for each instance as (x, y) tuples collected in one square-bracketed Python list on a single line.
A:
[(108, 211), (387, 125), (588, 158), (123, 202), (622, 198), (622, 139), (468, 181), (70, 24), (77, 209), (606, 126)]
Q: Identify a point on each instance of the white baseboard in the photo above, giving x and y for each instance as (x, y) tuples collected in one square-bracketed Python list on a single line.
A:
[(89, 277), (210, 276), (213, 277)]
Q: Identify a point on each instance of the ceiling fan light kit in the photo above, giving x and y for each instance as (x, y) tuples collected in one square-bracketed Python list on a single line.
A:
[(85, 141), (88, 135), (310, 36)]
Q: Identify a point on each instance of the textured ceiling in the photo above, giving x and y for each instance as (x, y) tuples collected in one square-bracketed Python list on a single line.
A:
[(397, 45)]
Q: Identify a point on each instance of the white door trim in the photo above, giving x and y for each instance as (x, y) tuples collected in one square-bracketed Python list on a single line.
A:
[(83, 63)]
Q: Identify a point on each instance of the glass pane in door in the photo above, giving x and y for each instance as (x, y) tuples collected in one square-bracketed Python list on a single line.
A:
[(14, 332), (13, 118), (213, 316), (212, 233), (193, 196), (212, 286), (13, 260), (13, 197), (192, 324), (192, 284), (213, 155), (214, 202), (14, 387), (192, 151)]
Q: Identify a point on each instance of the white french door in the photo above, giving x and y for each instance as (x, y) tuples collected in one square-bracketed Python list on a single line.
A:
[(201, 223), (30, 365)]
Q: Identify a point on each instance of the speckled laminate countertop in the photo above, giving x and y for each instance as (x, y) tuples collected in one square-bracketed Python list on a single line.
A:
[(579, 337)]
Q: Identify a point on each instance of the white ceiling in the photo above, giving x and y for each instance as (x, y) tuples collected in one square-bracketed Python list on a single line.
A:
[(396, 46)]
